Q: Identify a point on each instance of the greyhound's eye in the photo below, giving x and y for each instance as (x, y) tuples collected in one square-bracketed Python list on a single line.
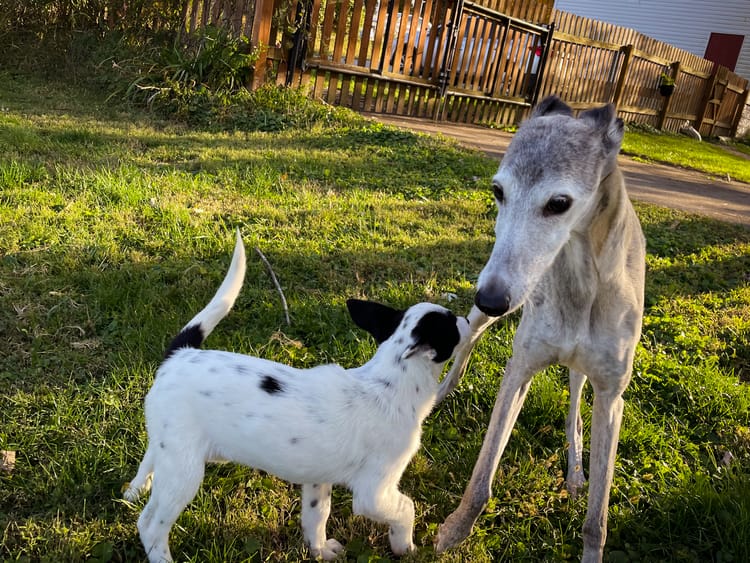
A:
[(498, 191), (557, 205)]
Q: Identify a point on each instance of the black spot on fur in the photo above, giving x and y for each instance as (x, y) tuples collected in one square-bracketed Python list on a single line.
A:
[(294, 441), (162, 446), (437, 331), (315, 485), (189, 337), (271, 385), (385, 383), (240, 369), (206, 393), (416, 389), (314, 503)]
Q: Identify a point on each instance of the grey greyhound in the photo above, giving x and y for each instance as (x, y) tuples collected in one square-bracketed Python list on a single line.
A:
[(570, 250)]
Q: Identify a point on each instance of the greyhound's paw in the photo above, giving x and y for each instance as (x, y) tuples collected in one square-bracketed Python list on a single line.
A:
[(330, 550), (574, 484), (452, 532)]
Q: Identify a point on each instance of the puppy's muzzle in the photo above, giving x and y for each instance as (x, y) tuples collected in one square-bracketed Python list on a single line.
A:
[(493, 300)]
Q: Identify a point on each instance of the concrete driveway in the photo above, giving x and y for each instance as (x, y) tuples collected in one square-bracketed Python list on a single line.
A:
[(687, 190)]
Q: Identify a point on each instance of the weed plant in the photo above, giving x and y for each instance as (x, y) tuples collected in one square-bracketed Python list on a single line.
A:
[(115, 228)]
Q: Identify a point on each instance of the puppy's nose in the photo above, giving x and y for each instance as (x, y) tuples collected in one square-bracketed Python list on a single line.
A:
[(493, 301)]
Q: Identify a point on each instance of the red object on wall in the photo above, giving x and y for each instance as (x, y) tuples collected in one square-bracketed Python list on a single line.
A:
[(724, 49)]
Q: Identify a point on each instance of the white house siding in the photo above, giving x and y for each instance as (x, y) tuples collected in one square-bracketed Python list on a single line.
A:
[(687, 24)]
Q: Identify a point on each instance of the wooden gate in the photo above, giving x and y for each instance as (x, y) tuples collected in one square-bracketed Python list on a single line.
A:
[(426, 58), (494, 67), (724, 99)]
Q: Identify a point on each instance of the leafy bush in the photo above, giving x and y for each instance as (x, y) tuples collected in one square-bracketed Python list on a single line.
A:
[(210, 59)]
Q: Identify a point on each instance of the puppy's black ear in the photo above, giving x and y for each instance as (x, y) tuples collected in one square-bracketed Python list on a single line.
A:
[(551, 105), (379, 320)]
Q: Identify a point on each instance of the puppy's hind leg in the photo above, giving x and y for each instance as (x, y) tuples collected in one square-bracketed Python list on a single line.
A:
[(394, 508), (175, 484), (316, 506)]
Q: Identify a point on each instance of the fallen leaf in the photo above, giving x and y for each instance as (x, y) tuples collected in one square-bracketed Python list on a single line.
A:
[(7, 461)]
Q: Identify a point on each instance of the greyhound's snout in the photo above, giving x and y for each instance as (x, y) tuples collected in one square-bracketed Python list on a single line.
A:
[(493, 301)]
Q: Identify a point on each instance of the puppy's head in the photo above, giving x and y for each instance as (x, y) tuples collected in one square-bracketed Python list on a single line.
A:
[(425, 329)]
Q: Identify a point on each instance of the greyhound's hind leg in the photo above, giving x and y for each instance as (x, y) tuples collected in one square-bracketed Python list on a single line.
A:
[(575, 479)]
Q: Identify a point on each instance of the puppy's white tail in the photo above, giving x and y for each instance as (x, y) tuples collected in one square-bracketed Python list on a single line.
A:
[(200, 326)]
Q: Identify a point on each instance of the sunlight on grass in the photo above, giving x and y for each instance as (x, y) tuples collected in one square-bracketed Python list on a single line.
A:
[(114, 231), (687, 153)]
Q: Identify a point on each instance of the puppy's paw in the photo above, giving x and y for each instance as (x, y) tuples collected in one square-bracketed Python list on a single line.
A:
[(330, 550), (129, 493), (401, 550), (400, 546)]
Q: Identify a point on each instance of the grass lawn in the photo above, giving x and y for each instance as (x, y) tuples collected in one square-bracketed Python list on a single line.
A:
[(685, 152), (115, 229)]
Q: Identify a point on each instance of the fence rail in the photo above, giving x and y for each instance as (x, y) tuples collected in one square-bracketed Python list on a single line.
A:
[(480, 61)]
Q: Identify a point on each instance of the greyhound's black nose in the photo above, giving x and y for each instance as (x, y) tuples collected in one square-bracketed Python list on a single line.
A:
[(493, 301)]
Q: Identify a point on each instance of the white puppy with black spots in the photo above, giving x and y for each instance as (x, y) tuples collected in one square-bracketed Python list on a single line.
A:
[(322, 426)]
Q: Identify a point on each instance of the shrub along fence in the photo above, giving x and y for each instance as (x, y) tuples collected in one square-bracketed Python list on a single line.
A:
[(474, 61)]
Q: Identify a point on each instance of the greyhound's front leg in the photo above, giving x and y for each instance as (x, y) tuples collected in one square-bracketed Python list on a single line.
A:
[(605, 429), (478, 323), (510, 397)]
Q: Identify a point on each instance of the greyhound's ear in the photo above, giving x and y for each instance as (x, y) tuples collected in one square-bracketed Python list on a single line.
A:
[(379, 320), (551, 105), (605, 121)]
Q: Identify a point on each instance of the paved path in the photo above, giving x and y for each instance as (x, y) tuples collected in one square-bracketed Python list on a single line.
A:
[(667, 186)]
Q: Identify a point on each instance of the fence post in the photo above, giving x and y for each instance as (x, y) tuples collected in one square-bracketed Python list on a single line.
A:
[(665, 106), (260, 38), (627, 51), (740, 111)]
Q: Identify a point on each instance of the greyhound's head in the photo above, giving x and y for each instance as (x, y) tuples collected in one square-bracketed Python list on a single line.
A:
[(546, 192)]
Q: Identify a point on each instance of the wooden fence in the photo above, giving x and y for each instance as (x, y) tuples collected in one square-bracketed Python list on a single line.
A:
[(480, 61), (593, 62)]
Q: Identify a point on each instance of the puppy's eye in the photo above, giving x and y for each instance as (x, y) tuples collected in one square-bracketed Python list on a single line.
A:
[(498, 191), (557, 205)]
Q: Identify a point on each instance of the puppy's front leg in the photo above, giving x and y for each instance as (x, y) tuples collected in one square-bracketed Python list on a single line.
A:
[(392, 507), (316, 506)]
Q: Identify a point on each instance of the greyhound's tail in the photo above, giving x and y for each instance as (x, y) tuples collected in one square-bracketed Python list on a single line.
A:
[(200, 326)]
